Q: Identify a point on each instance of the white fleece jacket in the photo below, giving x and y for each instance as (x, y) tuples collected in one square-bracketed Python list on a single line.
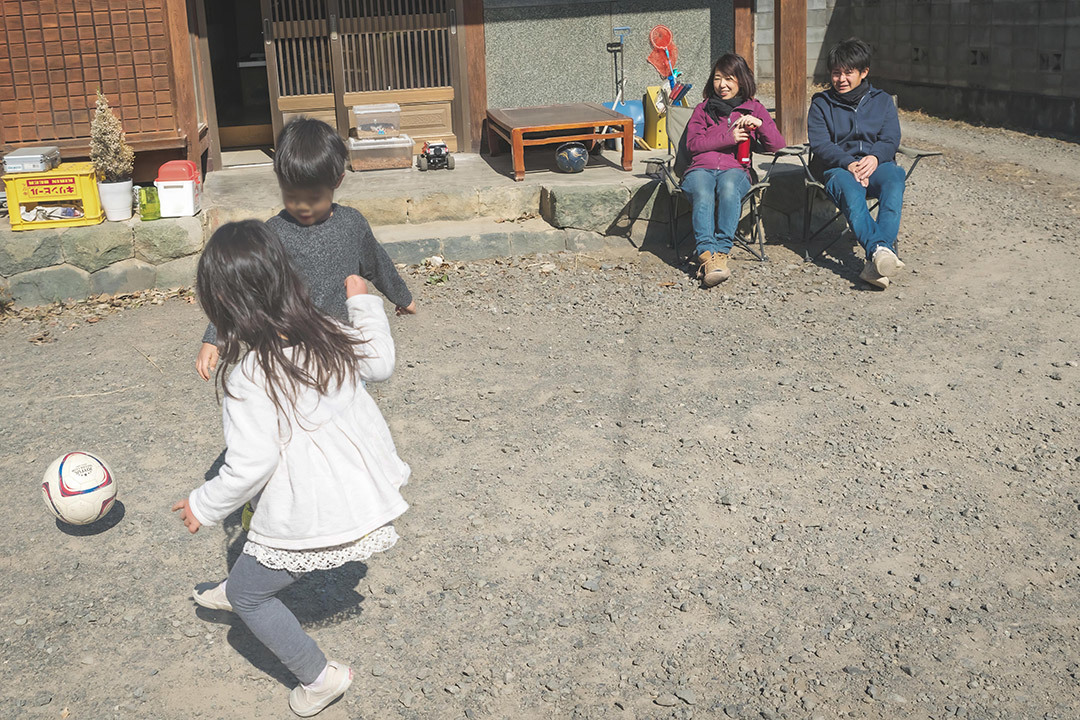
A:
[(325, 474)]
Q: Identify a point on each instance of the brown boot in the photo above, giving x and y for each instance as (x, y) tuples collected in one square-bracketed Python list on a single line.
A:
[(713, 269)]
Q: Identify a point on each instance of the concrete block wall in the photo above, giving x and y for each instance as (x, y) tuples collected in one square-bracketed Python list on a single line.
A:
[(542, 52), (1010, 45), (818, 16), (1012, 62)]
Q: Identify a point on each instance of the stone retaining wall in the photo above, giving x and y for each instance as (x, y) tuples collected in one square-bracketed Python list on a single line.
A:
[(43, 266)]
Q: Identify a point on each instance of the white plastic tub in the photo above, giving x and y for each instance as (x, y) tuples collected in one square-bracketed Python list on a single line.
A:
[(179, 189)]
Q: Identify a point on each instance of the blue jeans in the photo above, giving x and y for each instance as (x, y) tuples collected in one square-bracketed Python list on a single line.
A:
[(886, 184), (716, 206)]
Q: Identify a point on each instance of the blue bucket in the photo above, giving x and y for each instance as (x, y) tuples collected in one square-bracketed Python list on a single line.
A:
[(633, 109)]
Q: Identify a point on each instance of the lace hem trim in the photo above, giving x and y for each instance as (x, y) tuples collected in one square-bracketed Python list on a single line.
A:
[(301, 561)]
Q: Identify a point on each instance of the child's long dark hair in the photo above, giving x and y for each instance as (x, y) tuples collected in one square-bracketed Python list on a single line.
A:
[(249, 290)]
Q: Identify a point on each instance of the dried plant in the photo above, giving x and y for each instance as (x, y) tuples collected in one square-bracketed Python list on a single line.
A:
[(112, 157)]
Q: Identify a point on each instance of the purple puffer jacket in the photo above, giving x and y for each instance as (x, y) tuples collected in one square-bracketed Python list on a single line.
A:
[(710, 143)]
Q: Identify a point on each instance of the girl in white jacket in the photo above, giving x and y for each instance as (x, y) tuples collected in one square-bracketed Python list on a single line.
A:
[(305, 443)]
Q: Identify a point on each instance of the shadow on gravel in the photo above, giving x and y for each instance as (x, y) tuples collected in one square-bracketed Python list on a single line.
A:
[(111, 520), (844, 258)]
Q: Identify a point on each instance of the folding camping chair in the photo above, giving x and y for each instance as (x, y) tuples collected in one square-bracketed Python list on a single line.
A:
[(815, 186), (671, 172)]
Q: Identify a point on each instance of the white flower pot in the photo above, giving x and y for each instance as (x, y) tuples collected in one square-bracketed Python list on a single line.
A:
[(116, 199)]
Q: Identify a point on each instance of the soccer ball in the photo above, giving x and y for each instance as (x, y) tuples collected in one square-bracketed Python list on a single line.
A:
[(78, 488)]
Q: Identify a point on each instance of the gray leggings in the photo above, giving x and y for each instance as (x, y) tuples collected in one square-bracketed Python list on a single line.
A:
[(252, 591)]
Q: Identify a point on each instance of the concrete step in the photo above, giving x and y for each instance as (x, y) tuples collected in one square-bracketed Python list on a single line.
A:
[(480, 238), (479, 187)]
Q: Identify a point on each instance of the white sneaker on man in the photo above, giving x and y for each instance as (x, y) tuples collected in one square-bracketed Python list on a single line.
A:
[(886, 263), (871, 275)]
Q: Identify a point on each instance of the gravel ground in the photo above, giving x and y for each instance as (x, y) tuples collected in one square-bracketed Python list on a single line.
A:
[(787, 497)]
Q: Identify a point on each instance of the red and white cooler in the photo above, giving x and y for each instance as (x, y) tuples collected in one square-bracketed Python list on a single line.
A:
[(179, 188)]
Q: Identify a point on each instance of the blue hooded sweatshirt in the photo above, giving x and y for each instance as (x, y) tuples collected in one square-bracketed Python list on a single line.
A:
[(840, 134)]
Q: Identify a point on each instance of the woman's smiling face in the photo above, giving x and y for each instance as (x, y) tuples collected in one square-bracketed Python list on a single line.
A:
[(726, 86)]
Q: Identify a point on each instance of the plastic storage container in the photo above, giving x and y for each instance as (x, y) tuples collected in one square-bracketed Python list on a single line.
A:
[(380, 153), (179, 189), (382, 120), (32, 159)]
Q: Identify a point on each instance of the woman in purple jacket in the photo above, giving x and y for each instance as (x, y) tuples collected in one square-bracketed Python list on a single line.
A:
[(715, 180)]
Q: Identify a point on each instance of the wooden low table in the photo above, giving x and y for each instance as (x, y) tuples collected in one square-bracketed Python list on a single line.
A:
[(520, 127)]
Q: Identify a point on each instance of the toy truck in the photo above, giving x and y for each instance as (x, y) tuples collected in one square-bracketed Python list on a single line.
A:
[(434, 155)]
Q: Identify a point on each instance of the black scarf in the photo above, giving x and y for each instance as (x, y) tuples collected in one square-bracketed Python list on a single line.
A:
[(852, 96), (719, 108)]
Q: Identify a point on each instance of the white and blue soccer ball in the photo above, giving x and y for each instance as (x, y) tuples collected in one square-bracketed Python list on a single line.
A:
[(79, 488)]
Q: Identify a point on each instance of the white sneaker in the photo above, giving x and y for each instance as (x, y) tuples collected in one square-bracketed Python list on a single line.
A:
[(871, 275), (886, 262), (306, 701), (212, 598)]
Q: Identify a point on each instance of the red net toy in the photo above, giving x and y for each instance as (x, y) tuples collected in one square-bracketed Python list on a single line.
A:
[(664, 54)]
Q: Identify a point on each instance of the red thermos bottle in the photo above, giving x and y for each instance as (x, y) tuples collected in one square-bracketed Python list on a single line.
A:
[(742, 152)]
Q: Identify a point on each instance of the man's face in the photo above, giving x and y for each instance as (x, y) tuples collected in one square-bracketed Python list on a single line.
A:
[(845, 80)]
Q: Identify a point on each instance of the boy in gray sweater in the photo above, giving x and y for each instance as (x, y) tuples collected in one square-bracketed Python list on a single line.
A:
[(325, 241)]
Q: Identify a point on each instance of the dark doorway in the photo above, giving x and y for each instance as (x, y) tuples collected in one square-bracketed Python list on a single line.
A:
[(238, 59)]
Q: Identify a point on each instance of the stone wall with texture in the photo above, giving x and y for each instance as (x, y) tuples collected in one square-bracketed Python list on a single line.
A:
[(46, 265)]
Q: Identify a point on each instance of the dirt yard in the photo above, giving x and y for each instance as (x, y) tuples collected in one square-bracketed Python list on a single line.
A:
[(787, 497)]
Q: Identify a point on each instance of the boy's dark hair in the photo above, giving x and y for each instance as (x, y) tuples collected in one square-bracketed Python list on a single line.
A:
[(735, 66), (309, 153), (850, 54)]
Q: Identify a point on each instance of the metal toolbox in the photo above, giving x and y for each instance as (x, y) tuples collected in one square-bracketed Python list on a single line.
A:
[(32, 159)]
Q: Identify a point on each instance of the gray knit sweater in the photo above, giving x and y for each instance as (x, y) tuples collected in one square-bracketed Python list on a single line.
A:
[(325, 254)]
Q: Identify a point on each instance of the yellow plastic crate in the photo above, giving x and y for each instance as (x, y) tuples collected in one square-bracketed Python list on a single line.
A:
[(655, 126), (66, 184)]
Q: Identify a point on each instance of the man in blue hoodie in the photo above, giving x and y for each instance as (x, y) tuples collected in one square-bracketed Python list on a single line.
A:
[(854, 133)]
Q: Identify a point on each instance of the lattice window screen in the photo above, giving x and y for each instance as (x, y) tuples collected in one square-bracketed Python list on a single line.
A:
[(395, 44), (55, 54), (302, 42)]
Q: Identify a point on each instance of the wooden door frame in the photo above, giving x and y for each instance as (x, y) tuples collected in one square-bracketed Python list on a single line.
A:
[(209, 102), (475, 75), (461, 73), (337, 64), (271, 67)]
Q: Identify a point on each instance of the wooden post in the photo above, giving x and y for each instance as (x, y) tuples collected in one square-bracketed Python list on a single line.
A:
[(744, 30), (208, 101), (789, 43), (475, 60), (183, 78)]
